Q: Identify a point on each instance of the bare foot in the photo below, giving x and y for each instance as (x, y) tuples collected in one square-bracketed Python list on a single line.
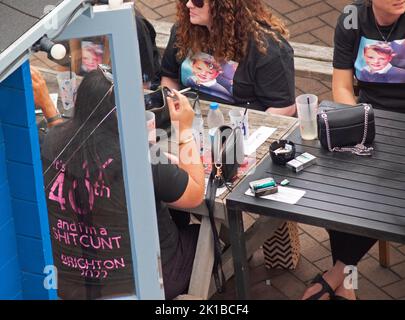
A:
[(317, 287), (314, 290), (348, 294)]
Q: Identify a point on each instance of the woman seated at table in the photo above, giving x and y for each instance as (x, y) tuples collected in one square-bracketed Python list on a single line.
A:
[(232, 52), (86, 198), (379, 20), (87, 53)]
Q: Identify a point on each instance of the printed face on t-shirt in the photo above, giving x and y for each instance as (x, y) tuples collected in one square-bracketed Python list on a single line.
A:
[(92, 55), (203, 73), (376, 59), (380, 62)]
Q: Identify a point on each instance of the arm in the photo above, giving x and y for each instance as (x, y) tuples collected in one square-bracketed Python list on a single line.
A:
[(42, 98), (287, 111), (182, 114), (170, 83), (342, 85)]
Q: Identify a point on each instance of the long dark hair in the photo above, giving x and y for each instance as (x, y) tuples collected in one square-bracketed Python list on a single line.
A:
[(90, 137), (93, 111)]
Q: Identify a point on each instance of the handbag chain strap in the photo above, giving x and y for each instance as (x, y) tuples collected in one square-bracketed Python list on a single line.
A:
[(359, 149)]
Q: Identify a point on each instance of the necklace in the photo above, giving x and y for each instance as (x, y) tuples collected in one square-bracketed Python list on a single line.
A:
[(389, 34)]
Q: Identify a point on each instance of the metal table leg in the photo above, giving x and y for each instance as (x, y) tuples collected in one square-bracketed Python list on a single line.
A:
[(238, 246)]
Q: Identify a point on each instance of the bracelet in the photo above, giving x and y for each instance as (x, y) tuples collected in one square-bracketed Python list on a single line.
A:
[(186, 140), (54, 118)]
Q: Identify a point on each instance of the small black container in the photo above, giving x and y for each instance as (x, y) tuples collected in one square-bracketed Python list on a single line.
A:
[(282, 158)]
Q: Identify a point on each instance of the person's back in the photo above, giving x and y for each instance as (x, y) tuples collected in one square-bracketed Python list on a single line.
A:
[(86, 200), (86, 205)]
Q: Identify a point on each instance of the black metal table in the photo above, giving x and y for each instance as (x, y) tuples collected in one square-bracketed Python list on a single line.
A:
[(344, 192)]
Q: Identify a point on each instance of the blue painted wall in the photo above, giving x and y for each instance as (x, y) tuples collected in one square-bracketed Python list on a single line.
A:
[(10, 271), (25, 247)]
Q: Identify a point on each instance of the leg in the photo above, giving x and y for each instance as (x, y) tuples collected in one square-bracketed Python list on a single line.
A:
[(348, 249), (238, 246)]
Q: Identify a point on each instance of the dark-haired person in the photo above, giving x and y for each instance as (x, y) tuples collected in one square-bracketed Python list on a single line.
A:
[(86, 198), (242, 53), (378, 21)]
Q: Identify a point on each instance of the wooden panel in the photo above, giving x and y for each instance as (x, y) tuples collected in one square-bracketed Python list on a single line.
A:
[(17, 137), (30, 254), (8, 247), (22, 184), (5, 204), (24, 211), (12, 98), (203, 261), (33, 287), (17, 80), (10, 277), (3, 167)]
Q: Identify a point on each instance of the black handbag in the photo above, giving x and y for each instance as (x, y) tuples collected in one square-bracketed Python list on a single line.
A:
[(156, 103), (227, 154), (346, 129)]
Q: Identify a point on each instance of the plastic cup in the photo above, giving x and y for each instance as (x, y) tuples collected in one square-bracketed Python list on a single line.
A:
[(67, 83), (151, 126), (238, 120), (307, 106)]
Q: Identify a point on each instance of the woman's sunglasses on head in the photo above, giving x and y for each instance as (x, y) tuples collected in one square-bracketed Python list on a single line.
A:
[(197, 3)]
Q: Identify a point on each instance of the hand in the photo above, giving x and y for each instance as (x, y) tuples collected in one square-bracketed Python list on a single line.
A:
[(40, 90), (181, 112)]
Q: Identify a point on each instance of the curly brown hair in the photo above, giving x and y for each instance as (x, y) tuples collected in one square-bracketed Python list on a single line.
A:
[(234, 22)]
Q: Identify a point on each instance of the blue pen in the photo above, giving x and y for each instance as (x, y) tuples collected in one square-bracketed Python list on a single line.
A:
[(243, 120)]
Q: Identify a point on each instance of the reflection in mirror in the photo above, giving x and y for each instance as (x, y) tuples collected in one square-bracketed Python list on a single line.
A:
[(85, 194)]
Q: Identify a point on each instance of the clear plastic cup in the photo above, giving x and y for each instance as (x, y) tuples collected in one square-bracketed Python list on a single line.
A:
[(151, 126), (67, 82), (307, 107), (238, 120)]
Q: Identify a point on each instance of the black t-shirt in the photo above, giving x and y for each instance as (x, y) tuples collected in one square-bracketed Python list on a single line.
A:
[(259, 80), (91, 250), (93, 51), (378, 65)]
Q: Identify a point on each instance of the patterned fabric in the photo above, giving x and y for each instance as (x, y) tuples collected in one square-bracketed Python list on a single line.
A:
[(282, 250)]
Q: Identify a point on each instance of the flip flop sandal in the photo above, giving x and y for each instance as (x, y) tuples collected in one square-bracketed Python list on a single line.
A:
[(326, 288)]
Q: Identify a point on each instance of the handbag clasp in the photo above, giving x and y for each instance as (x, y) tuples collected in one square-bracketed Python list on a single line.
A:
[(218, 174)]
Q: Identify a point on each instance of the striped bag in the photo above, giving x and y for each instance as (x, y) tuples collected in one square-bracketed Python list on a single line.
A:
[(282, 250)]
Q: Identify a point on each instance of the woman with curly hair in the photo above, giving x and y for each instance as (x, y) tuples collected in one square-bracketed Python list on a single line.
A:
[(231, 51)]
